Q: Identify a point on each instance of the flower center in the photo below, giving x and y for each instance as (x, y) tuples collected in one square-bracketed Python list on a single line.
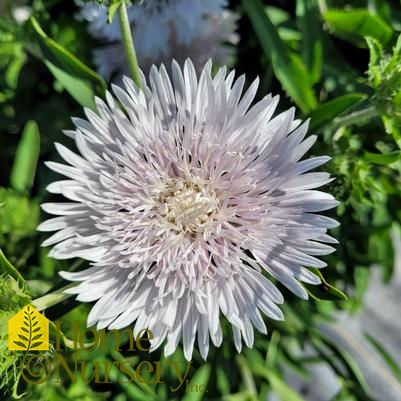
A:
[(188, 206)]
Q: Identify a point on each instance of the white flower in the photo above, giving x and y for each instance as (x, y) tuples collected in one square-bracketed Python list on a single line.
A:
[(187, 202), (21, 13), (162, 31)]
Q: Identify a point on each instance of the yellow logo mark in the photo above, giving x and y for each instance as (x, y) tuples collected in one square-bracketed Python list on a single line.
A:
[(28, 330)]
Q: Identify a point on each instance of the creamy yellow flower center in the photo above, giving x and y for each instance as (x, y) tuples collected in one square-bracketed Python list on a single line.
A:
[(188, 206)]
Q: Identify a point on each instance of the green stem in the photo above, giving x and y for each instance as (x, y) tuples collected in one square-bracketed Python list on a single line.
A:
[(48, 300), (128, 43), (8, 268), (356, 117)]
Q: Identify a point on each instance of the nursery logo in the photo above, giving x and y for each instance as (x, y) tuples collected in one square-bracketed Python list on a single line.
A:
[(28, 330)]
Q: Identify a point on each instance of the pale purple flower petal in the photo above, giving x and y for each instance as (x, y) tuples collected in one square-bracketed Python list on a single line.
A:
[(188, 201)]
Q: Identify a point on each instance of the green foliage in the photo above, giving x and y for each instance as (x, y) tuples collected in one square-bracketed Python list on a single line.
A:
[(326, 112), (19, 217), (356, 24), (287, 65), (13, 297), (385, 77), (70, 72)]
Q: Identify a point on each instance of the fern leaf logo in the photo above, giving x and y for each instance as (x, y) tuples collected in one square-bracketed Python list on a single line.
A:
[(28, 330)]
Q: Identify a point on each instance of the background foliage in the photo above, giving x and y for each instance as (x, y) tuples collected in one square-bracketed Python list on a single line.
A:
[(338, 62)]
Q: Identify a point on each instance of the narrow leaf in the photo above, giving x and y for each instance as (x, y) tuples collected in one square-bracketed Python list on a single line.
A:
[(278, 385), (75, 77), (26, 158), (288, 67), (324, 291), (36, 344), (310, 27), (328, 111), (358, 23), (390, 361), (381, 158)]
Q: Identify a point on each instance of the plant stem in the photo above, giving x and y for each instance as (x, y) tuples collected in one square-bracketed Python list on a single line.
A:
[(356, 117), (48, 300), (8, 268), (128, 43)]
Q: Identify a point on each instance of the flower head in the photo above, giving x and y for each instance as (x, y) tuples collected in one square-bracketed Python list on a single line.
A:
[(162, 31), (187, 201)]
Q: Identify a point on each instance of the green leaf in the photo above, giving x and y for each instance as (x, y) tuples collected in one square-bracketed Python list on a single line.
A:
[(79, 89), (388, 359), (353, 370), (355, 24), (14, 66), (310, 27), (278, 385), (76, 77), (222, 381), (328, 111), (324, 291), (287, 66), (26, 158), (19, 215), (381, 249), (382, 158), (200, 378), (376, 54), (361, 279)]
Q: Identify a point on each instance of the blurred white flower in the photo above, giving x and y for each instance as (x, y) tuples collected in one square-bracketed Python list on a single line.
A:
[(187, 202), (21, 13), (162, 31)]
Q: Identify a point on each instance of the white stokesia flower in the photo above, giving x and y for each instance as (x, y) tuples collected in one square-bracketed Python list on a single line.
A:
[(164, 30), (187, 202)]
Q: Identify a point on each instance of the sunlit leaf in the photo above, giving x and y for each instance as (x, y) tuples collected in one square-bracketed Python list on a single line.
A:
[(358, 23)]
